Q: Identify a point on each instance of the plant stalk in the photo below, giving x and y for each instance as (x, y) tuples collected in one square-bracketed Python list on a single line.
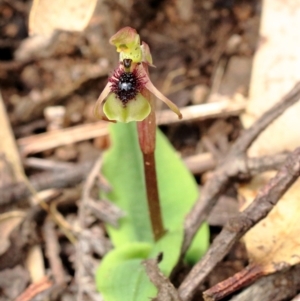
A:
[(153, 196), (147, 138)]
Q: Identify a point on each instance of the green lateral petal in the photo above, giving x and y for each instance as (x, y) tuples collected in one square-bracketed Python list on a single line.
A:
[(149, 85), (135, 110)]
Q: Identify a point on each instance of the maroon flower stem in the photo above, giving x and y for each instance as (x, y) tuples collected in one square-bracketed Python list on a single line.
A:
[(147, 136), (153, 196)]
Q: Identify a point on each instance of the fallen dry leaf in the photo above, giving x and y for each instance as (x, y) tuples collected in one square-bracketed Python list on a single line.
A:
[(34, 263), (274, 242), (72, 15), (8, 148), (8, 222), (275, 71)]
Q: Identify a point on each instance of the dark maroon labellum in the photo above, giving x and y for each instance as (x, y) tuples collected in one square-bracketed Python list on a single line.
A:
[(126, 85)]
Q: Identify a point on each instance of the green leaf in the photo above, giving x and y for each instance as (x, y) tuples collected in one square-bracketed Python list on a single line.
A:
[(178, 192), (123, 168), (169, 245), (122, 274)]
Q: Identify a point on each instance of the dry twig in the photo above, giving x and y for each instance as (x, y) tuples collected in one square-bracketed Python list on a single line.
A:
[(277, 287), (166, 290), (53, 251), (82, 276), (223, 108), (40, 142), (200, 163), (29, 107), (45, 180), (64, 177), (35, 289)]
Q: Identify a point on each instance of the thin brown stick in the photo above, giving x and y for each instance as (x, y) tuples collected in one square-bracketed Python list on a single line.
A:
[(216, 109), (55, 179), (166, 290), (81, 272), (237, 227), (34, 289), (46, 164), (69, 177), (276, 287), (53, 251), (241, 279), (40, 142), (200, 163), (105, 211), (88, 185), (258, 165)]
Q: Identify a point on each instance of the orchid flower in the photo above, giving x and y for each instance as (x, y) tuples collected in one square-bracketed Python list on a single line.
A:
[(125, 98)]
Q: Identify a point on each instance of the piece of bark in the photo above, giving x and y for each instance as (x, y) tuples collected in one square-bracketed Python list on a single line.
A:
[(275, 71)]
